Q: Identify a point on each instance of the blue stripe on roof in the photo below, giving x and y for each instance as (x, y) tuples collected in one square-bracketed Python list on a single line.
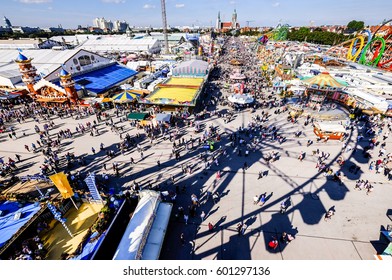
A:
[(102, 79)]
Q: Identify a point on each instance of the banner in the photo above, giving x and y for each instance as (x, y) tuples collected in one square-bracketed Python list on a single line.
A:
[(92, 186), (56, 213), (60, 180)]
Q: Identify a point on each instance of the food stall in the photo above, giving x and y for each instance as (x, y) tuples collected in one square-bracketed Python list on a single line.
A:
[(162, 119), (331, 131)]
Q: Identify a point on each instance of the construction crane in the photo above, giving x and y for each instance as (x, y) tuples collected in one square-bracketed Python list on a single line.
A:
[(164, 22), (248, 21)]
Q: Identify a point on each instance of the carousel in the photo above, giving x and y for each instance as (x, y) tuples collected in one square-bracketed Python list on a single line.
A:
[(319, 87)]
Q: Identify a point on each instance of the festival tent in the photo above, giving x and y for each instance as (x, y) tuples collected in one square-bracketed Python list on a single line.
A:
[(324, 80), (125, 97)]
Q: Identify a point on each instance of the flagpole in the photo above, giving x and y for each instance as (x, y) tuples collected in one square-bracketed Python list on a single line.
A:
[(77, 208)]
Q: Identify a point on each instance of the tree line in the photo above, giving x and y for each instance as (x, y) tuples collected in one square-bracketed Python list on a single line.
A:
[(317, 36)]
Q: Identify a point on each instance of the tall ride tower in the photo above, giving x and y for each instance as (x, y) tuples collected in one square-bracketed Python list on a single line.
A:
[(68, 84), (164, 22), (28, 71)]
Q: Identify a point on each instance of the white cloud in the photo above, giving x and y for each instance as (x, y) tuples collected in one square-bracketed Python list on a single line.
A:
[(50, 8), (113, 1), (180, 5), (148, 6), (35, 1), (232, 2), (276, 4)]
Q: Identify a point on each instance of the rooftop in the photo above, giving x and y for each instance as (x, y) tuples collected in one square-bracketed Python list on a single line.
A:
[(102, 79)]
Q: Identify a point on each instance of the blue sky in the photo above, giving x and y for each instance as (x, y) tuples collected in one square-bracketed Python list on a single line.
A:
[(70, 13)]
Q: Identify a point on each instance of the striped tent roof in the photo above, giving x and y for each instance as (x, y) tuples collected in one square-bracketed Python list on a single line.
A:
[(324, 80), (125, 97)]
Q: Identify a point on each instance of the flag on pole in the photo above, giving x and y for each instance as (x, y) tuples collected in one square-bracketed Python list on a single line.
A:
[(92, 186), (60, 180), (58, 216)]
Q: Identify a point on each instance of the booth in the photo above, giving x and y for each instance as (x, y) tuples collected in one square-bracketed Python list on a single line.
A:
[(142, 118), (161, 118), (329, 131)]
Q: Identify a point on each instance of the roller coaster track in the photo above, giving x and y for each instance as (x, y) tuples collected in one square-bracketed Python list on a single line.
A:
[(372, 50)]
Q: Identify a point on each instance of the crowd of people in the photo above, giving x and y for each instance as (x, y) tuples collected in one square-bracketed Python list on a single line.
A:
[(195, 141)]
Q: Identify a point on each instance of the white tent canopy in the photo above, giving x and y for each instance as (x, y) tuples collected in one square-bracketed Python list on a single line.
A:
[(241, 99), (370, 100), (146, 230), (330, 127), (163, 117)]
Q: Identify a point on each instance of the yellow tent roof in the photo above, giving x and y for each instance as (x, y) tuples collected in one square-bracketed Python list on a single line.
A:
[(324, 79)]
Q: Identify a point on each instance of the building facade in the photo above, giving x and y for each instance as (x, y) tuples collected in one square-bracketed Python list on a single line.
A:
[(229, 25)]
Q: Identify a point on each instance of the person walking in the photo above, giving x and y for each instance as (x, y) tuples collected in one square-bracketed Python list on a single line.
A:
[(17, 156), (262, 199), (256, 199), (93, 150), (328, 215), (202, 216), (301, 156), (243, 229), (132, 160), (239, 228), (210, 226)]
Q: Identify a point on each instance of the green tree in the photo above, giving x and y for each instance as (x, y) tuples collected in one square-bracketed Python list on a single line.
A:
[(355, 25), (318, 37)]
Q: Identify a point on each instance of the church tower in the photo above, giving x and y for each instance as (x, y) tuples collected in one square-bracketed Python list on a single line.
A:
[(68, 84), (234, 20), (218, 22), (29, 72)]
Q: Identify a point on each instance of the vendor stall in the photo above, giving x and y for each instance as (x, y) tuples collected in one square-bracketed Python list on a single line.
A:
[(142, 118), (163, 117), (329, 131), (160, 119)]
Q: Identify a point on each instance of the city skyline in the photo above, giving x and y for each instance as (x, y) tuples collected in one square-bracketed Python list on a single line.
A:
[(70, 14)]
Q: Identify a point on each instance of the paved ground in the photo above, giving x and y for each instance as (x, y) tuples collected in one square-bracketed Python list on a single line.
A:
[(352, 233)]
